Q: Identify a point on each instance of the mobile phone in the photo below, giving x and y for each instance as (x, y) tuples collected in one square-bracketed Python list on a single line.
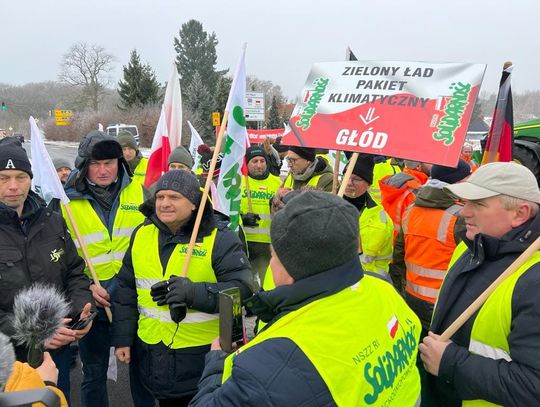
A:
[(231, 322), (83, 323)]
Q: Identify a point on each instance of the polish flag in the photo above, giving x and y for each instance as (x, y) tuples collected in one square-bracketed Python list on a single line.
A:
[(392, 326), (168, 133)]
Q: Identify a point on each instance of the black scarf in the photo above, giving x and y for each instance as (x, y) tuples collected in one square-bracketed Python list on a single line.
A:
[(104, 196)]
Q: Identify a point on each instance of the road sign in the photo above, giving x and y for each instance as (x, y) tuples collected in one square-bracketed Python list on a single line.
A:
[(62, 117), (216, 118), (254, 106)]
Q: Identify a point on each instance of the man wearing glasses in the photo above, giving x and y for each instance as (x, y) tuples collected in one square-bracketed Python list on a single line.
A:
[(306, 169)]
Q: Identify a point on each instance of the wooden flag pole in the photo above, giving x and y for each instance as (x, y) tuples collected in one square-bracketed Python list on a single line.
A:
[(347, 176), (248, 192), (85, 254), (337, 160), (475, 306), (204, 198)]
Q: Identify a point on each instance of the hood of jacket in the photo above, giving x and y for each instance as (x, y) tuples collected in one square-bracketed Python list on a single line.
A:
[(432, 195)]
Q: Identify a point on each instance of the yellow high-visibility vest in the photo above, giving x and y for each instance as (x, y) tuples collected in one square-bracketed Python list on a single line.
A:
[(155, 322), (492, 325), (106, 252), (369, 361), (262, 192)]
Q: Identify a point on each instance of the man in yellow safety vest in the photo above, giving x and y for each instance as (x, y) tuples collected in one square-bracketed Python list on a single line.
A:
[(494, 358), (334, 335)]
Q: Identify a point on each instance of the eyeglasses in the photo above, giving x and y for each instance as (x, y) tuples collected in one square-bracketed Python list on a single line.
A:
[(293, 160), (356, 181)]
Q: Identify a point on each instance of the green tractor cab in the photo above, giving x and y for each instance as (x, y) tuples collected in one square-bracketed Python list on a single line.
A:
[(527, 145)]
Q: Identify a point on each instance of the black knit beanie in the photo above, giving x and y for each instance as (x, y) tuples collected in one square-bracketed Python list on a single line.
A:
[(304, 152), (256, 151), (314, 232), (13, 156), (181, 181), (364, 168), (451, 175)]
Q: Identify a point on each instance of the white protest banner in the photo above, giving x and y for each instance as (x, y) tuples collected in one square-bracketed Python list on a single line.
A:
[(414, 110)]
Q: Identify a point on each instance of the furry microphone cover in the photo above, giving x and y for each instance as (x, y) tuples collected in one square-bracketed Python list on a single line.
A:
[(38, 311), (7, 359)]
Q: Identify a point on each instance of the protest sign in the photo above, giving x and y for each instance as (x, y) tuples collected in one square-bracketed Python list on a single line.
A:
[(414, 110)]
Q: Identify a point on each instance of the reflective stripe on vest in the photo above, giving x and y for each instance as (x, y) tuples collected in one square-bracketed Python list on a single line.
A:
[(429, 244), (165, 316), (155, 323), (106, 253), (261, 193), (375, 366), (487, 351), (376, 232)]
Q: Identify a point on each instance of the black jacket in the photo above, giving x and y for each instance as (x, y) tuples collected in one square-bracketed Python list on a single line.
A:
[(276, 372), (464, 376), (28, 253), (232, 269)]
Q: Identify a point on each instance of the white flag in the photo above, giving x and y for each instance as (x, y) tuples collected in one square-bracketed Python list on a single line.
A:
[(194, 144), (230, 175), (45, 181)]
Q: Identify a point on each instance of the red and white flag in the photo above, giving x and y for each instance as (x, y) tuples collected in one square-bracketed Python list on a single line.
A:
[(392, 326), (168, 133)]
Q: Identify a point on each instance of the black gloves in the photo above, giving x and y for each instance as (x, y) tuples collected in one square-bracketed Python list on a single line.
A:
[(250, 219), (176, 290), (181, 291), (158, 292)]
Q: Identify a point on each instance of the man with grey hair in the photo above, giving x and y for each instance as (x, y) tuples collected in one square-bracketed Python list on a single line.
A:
[(495, 355)]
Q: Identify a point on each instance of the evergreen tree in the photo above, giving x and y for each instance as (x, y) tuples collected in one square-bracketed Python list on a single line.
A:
[(200, 102), (274, 121), (139, 86), (196, 52), (223, 89)]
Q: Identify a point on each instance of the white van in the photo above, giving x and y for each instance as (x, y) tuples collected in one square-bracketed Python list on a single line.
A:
[(114, 129)]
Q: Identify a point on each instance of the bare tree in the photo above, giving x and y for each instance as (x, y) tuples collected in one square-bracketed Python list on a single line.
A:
[(87, 67)]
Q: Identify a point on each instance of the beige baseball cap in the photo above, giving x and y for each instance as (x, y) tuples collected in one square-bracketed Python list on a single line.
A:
[(500, 178)]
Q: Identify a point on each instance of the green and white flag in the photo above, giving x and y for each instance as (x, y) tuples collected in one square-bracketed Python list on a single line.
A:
[(229, 187)]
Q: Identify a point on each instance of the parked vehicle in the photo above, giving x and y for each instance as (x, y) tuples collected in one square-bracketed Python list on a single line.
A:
[(114, 129)]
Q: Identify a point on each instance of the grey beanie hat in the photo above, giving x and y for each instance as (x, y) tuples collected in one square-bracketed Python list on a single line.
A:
[(126, 139), (181, 155), (183, 182), (314, 232), (61, 163)]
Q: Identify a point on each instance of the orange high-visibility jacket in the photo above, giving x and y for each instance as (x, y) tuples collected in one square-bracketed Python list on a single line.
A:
[(398, 192), (429, 244)]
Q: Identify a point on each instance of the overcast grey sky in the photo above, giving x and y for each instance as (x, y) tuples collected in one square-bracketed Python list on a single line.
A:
[(285, 37)]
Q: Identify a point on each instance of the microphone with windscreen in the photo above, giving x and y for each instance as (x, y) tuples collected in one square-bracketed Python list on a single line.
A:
[(38, 311)]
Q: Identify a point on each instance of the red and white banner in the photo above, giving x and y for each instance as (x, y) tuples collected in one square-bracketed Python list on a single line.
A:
[(258, 136), (414, 110)]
